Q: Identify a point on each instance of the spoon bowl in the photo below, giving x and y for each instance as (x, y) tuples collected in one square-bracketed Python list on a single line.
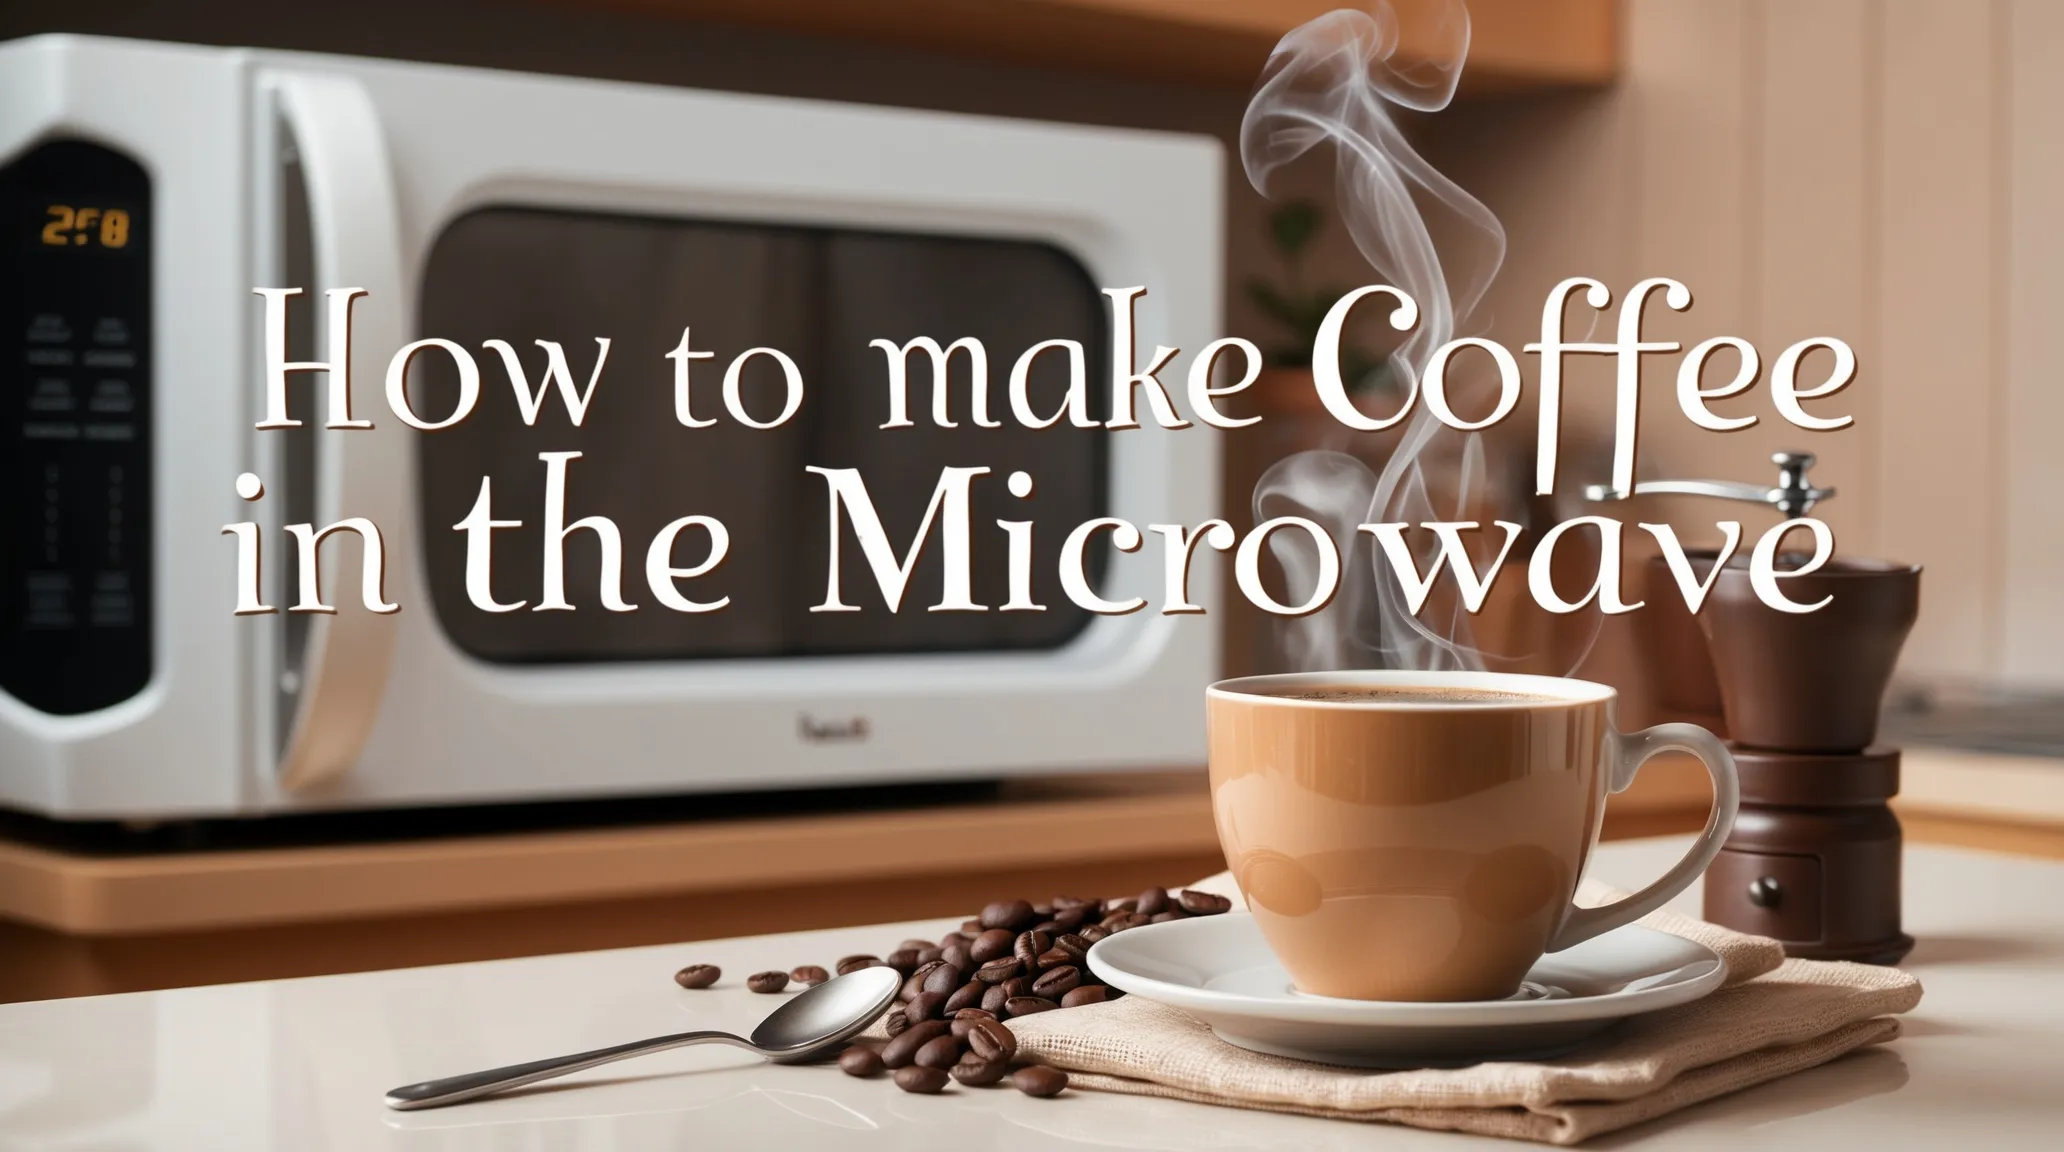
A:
[(829, 1014), (813, 1021)]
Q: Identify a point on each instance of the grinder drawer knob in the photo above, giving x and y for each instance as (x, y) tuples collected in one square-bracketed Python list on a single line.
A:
[(1764, 892)]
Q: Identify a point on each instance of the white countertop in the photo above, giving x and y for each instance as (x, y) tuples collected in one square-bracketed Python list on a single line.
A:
[(301, 1064)]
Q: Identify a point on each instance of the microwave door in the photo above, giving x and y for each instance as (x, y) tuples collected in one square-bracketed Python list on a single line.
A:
[(821, 296), (364, 470), (527, 275), (1010, 296)]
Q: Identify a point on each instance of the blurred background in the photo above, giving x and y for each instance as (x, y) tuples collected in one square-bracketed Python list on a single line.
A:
[(1882, 171)]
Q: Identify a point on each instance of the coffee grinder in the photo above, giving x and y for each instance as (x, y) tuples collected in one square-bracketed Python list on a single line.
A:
[(1814, 858)]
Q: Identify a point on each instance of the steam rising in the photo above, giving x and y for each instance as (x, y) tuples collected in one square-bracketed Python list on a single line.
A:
[(1338, 80)]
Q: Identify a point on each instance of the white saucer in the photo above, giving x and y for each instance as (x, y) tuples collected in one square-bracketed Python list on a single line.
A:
[(1218, 969)]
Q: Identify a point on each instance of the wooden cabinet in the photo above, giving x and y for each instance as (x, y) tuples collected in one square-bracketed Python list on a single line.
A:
[(1514, 44)]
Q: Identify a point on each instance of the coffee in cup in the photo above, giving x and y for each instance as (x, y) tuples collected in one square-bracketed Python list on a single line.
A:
[(1419, 835)]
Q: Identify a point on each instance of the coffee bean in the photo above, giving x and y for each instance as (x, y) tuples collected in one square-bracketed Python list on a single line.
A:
[(1043, 910), (971, 927), (921, 1080), (767, 981), (1091, 933), (1076, 947), (997, 971), (1069, 919), (1087, 994), (1015, 915), (928, 954), (809, 975), (968, 995), (915, 982), (993, 1000), (958, 956), (1204, 903), (941, 1052), (903, 960), (1125, 920), (1029, 945), (967, 1018), (1036, 1080), (1055, 983), (992, 1040), (992, 944), (979, 1073), (902, 1049), (1152, 902), (1115, 906), (925, 1006), (896, 1022), (1018, 1006), (860, 1061), (1047, 927), (943, 979), (916, 945), (952, 938), (1055, 957), (1074, 902), (698, 975), (1165, 917), (1016, 986), (854, 964)]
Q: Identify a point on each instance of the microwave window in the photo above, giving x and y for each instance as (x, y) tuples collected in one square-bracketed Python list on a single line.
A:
[(821, 296)]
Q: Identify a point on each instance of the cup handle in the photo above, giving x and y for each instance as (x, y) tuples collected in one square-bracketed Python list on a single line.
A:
[(1629, 751)]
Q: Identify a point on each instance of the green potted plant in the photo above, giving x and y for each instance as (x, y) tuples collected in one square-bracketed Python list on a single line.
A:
[(1285, 385)]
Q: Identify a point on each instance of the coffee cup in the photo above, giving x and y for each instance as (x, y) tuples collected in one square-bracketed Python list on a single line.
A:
[(1420, 835)]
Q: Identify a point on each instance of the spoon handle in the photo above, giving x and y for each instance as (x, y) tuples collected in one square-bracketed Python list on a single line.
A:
[(473, 1085)]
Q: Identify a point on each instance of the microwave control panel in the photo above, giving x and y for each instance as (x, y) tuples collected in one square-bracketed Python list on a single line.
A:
[(75, 418)]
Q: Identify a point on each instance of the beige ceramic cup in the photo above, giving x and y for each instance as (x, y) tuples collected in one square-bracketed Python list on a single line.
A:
[(1401, 846)]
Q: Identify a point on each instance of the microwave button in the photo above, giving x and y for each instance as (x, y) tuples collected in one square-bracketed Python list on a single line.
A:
[(49, 328), (51, 394), (111, 396)]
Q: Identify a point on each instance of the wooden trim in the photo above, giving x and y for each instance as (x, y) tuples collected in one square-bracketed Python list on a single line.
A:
[(1038, 824), (1515, 44), (1035, 824), (38, 964), (1980, 785), (1111, 819), (1987, 834)]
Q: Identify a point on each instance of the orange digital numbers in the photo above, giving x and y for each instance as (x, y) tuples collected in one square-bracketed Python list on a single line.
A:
[(70, 227), (58, 231)]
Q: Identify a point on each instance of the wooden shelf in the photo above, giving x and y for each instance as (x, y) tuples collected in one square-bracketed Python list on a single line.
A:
[(1143, 817), (1515, 44), (74, 924)]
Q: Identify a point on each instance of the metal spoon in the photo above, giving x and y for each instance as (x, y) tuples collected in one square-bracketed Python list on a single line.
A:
[(812, 1021)]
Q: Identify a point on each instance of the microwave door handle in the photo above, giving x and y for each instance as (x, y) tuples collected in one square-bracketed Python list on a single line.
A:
[(361, 472)]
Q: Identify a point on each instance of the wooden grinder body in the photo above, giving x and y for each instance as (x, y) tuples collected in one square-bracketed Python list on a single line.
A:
[(1814, 857)]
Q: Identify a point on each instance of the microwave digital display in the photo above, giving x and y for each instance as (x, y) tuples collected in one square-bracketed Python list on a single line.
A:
[(84, 226), (75, 392), (819, 294)]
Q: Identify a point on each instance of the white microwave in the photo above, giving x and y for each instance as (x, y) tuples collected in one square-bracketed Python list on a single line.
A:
[(149, 188)]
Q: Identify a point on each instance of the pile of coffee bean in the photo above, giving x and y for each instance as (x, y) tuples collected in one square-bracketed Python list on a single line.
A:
[(1015, 959)]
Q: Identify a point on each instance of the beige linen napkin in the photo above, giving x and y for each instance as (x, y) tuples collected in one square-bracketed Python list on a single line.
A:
[(1773, 1017)]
